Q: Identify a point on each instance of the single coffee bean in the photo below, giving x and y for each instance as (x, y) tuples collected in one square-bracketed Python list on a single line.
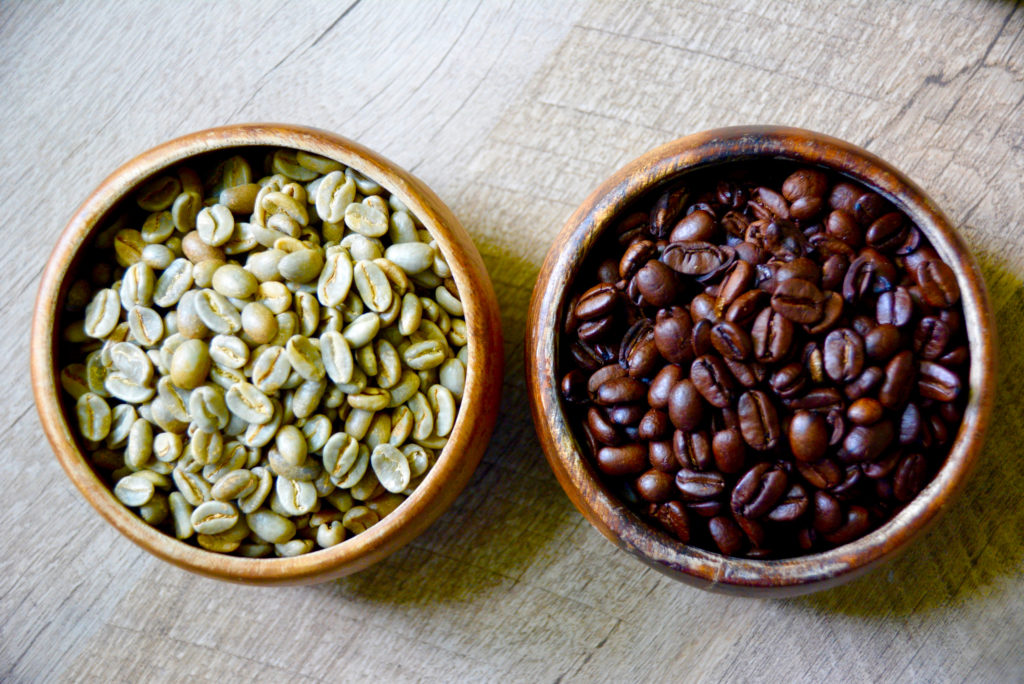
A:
[(659, 392), (867, 442), (667, 209), (798, 300), (654, 425), (937, 382), (757, 492), (828, 514), (730, 340), (900, 376), (895, 307), (808, 436), (696, 226), (792, 506), (597, 302), (694, 258), (693, 450), (657, 283), (759, 422), (673, 519), (635, 256), (855, 523), (729, 450), (630, 459), (673, 330), (843, 354), (865, 411), (622, 390), (726, 534), (772, 336), (661, 456), (882, 342), (938, 284), (713, 380), (865, 383), (823, 474), (685, 405), (695, 485)]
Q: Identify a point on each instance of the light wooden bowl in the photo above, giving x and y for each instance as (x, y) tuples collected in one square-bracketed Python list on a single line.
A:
[(456, 462), (563, 450)]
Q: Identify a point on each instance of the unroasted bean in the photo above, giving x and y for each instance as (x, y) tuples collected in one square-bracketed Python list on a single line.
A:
[(213, 517)]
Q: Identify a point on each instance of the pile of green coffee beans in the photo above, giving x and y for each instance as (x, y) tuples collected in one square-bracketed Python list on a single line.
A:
[(265, 365)]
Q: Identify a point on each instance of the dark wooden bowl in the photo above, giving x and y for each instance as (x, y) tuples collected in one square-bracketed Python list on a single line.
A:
[(466, 443), (562, 448)]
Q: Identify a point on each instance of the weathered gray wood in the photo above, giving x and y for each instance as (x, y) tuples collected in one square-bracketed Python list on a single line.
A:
[(513, 112)]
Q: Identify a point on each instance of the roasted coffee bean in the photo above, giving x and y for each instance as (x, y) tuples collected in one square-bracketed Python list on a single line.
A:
[(931, 336), (661, 456), (867, 442), (700, 338), (821, 398), (673, 329), (694, 258), (856, 522), (622, 390), (894, 307), (798, 300), (804, 183), (888, 232), (833, 272), (667, 209), (729, 450), (842, 226), (693, 450), (748, 375), (597, 302), (759, 421), (657, 283), (865, 411), (639, 352), (654, 425), (685, 405), (938, 284), (828, 514), (603, 375), (843, 354), (738, 279), (792, 506), (747, 306), (772, 336), (730, 340), (633, 259), (630, 459), (673, 519), (823, 474), (726, 534), (883, 466), (659, 392), (758, 490), (789, 381), (626, 414), (602, 428), (655, 486), (702, 307), (808, 436), (937, 382), (910, 425), (596, 329), (713, 380), (696, 485), (698, 226), (881, 342), (900, 378)]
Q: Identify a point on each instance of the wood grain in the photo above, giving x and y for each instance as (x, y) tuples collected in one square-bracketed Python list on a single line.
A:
[(512, 112)]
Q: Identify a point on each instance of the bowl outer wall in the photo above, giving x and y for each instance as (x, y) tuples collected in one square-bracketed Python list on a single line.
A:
[(469, 437), (579, 479)]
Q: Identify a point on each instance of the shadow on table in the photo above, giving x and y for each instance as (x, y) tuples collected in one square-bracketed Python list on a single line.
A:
[(512, 508), (978, 541)]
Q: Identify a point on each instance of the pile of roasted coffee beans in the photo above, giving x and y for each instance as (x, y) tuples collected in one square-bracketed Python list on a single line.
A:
[(768, 363)]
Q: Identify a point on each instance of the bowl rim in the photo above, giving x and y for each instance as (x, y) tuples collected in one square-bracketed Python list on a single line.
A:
[(457, 460), (577, 477)]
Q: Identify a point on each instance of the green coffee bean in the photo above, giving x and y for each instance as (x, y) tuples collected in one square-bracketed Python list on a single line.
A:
[(134, 490), (234, 485), (140, 444), (102, 314), (249, 403), (207, 408), (190, 364), (211, 517), (173, 283), (181, 514), (265, 482), (94, 418), (231, 280), (373, 285), (359, 519)]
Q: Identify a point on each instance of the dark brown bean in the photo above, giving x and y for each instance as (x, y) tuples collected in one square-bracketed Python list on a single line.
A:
[(574, 386), (729, 450), (626, 414), (758, 490), (792, 506), (843, 354), (617, 461), (855, 523), (635, 256), (660, 456), (798, 300), (673, 331), (697, 226), (804, 183), (842, 226), (772, 336), (596, 329), (694, 258), (657, 283), (867, 442), (865, 411), (789, 381), (938, 284), (713, 380), (759, 421), (828, 514), (730, 340), (603, 429), (911, 423), (654, 425), (693, 450), (888, 232), (931, 336), (597, 302), (623, 390), (655, 486), (844, 196), (603, 375), (696, 485), (808, 436), (661, 387), (882, 342), (685, 406), (894, 307), (667, 209), (737, 281), (869, 207), (900, 378), (746, 307), (824, 474), (673, 519), (937, 382), (726, 534)]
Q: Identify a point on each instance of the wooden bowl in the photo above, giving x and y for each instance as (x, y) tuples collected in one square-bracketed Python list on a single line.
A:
[(574, 470), (455, 464)]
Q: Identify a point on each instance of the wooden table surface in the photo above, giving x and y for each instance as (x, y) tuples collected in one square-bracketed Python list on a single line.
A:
[(513, 112)]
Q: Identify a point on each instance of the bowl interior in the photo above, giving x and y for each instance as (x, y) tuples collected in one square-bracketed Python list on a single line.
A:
[(678, 162), (456, 461)]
